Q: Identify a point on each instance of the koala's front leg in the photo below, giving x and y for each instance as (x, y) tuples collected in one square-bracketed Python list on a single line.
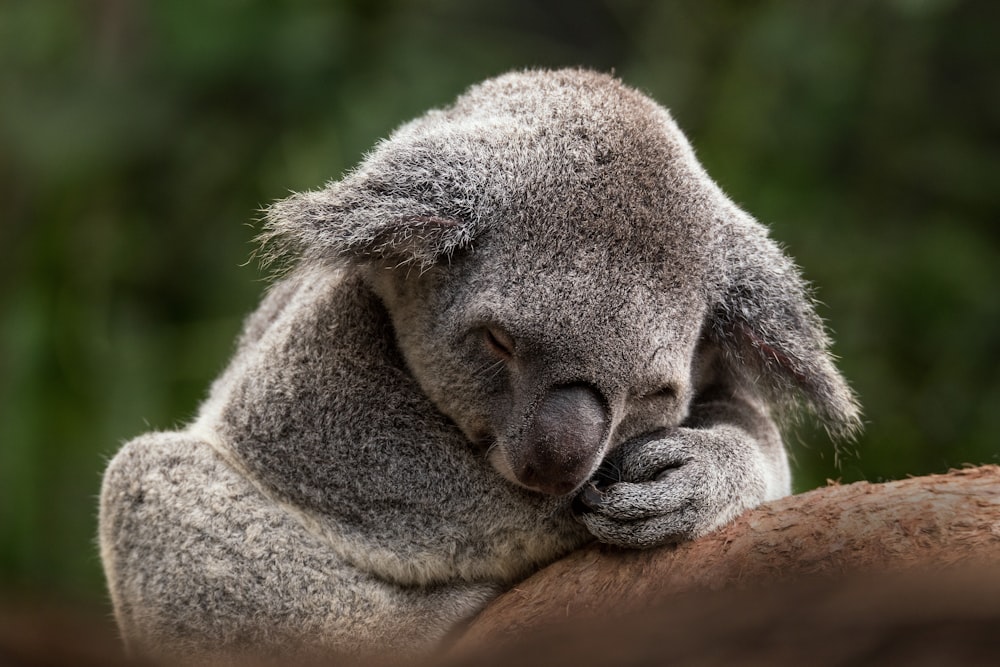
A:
[(678, 484)]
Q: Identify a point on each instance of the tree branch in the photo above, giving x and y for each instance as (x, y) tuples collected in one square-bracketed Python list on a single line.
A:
[(939, 520)]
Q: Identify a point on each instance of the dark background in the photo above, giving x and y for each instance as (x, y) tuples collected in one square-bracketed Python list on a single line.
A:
[(138, 142)]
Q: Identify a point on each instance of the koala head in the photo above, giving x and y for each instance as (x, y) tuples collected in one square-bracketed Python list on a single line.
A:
[(557, 267)]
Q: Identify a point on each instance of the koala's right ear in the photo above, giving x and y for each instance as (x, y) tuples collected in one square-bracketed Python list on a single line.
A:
[(354, 220), (766, 323)]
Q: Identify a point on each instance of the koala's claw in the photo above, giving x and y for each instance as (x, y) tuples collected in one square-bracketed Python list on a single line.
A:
[(590, 498)]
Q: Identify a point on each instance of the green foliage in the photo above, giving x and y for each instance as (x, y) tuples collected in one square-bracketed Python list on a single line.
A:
[(137, 140)]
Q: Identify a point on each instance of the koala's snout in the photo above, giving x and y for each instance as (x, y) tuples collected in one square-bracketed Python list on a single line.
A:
[(562, 441)]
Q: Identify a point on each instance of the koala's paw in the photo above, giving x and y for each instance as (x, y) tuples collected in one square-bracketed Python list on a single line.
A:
[(672, 486)]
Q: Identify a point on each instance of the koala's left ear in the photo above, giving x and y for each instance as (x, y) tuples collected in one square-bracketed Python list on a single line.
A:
[(765, 322), (355, 221)]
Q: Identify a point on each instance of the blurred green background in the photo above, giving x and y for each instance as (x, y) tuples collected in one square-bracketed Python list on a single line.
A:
[(139, 140)]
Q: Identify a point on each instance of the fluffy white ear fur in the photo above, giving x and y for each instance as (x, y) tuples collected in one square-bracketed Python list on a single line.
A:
[(767, 324), (348, 220)]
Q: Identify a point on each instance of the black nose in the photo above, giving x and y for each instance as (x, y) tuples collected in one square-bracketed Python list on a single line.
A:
[(563, 441)]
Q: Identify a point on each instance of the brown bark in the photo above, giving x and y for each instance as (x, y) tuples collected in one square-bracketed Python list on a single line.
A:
[(923, 522)]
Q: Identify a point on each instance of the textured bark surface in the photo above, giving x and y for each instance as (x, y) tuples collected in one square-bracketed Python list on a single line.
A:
[(923, 522)]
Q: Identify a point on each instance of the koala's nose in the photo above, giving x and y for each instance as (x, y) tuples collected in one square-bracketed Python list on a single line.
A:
[(563, 440)]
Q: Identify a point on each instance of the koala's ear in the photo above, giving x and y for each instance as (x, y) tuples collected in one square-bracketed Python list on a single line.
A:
[(766, 324), (353, 221)]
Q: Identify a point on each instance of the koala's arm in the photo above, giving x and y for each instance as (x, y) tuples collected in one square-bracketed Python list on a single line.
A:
[(200, 563), (680, 483)]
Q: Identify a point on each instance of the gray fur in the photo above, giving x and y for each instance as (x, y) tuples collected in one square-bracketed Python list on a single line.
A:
[(538, 286)]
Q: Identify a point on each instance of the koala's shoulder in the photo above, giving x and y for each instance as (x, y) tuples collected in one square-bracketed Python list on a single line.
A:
[(312, 304)]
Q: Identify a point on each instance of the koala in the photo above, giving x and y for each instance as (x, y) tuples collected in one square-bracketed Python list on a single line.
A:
[(524, 322)]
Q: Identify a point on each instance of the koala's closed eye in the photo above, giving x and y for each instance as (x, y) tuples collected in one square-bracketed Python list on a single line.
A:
[(653, 408), (498, 342), (656, 396), (664, 392)]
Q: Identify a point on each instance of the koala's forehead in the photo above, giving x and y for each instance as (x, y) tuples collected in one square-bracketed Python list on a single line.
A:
[(576, 275), (549, 149), (595, 298)]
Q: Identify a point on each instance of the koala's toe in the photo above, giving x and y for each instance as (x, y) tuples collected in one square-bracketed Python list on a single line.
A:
[(648, 459), (641, 534), (626, 502)]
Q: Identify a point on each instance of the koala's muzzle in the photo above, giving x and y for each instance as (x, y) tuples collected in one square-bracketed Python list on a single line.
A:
[(562, 441)]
